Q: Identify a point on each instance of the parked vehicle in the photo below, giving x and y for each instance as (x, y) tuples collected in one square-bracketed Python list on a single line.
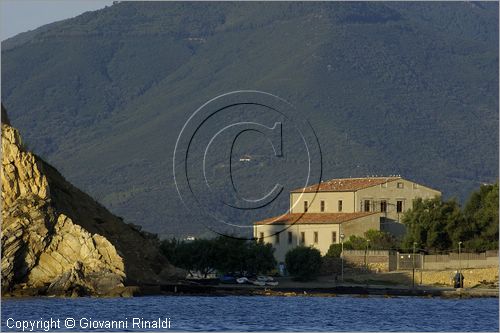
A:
[(228, 279)]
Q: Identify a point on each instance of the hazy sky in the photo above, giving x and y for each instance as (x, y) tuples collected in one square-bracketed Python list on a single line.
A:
[(23, 15)]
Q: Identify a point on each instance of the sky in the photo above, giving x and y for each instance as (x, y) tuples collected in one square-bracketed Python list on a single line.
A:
[(22, 15)]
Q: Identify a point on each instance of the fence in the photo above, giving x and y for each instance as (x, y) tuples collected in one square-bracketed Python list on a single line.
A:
[(393, 261), (406, 261), (464, 260)]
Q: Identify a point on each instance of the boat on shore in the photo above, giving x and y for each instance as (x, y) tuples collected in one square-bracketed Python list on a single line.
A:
[(242, 280)]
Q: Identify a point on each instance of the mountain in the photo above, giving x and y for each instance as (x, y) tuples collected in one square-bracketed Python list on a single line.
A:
[(58, 240), (388, 87)]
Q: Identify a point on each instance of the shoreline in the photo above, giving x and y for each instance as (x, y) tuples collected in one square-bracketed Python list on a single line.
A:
[(303, 291), (356, 290)]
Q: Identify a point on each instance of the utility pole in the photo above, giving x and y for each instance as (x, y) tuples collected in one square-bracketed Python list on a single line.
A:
[(421, 266), (366, 254), (298, 235), (459, 265), (414, 245), (342, 254)]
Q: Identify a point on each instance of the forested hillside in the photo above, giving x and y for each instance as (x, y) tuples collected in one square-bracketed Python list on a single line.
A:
[(389, 87)]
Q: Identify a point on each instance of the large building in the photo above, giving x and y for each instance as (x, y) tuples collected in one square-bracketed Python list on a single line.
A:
[(319, 214)]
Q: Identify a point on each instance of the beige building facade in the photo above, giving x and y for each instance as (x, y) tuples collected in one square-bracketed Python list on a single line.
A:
[(391, 196), (319, 214), (312, 229)]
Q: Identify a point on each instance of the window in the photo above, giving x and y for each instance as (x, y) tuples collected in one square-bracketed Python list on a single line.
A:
[(415, 185), (340, 206), (277, 238), (322, 205), (290, 237), (400, 185), (334, 237), (315, 237), (261, 237), (383, 206), (399, 206), (302, 237), (367, 206), (306, 205)]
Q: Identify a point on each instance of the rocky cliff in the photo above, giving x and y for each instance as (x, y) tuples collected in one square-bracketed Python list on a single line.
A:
[(58, 240)]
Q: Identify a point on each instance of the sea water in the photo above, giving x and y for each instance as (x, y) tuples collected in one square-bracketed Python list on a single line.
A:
[(250, 313)]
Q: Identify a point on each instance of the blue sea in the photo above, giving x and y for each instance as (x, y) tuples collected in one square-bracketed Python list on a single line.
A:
[(254, 313)]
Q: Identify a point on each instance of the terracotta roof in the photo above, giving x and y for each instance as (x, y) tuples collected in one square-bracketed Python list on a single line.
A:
[(314, 218), (346, 184)]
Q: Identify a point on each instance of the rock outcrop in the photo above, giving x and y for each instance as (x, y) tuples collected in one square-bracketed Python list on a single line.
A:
[(58, 240)]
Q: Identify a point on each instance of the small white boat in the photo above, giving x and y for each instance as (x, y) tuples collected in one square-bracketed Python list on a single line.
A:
[(265, 278), (258, 283), (242, 280)]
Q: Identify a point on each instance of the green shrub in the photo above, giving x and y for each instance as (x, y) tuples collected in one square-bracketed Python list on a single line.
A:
[(334, 251), (304, 263)]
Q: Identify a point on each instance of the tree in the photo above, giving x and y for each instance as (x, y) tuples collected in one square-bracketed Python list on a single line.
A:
[(304, 263), (481, 213), (198, 255), (231, 254), (433, 224), (240, 256), (375, 239), (224, 254), (168, 247), (356, 242), (336, 249), (260, 257), (381, 240), (439, 225)]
